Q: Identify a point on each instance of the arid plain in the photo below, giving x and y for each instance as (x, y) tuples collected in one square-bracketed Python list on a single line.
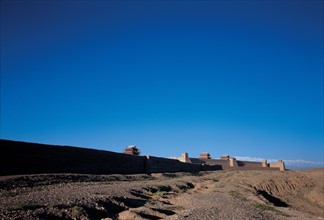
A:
[(245, 194)]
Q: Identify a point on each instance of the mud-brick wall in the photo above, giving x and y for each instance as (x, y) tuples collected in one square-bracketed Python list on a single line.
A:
[(206, 167), (249, 164), (30, 158), (225, 164), (160, 165)]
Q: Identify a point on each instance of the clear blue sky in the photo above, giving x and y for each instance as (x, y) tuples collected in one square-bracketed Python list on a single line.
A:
[(237, 77)]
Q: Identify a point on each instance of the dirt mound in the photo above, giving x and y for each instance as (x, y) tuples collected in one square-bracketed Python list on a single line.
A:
[(280, 186), (302, 190)]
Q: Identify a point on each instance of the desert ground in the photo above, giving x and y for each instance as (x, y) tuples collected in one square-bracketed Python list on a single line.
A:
[(245, 194)]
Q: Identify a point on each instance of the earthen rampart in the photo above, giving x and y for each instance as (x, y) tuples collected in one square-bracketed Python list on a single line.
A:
[(230, 163), (161, 165), (31, 158)]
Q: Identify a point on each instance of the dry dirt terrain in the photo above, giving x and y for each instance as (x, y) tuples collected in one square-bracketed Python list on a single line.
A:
[(205, 195)]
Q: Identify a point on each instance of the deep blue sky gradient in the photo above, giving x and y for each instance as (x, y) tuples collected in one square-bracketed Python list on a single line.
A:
[(237, 77)]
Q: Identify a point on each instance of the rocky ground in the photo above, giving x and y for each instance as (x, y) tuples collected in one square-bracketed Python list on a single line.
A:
[(206, 195)]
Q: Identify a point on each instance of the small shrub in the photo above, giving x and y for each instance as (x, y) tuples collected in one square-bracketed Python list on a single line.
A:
[(7, 193), (27, 206), (175, 207), (161, 193), (77, 212), (158, 194), (266, 207), (237, 195)]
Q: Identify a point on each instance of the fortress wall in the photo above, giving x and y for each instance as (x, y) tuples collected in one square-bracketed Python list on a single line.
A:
[(30, 158), (160, 165), (206, 167), (255, 168), (197, 161), (242, 165), (225, 164), (215, 164), (249, 164), (279, 164)]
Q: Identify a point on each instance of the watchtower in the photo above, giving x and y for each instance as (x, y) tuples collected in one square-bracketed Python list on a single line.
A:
[(132, 150), (205, 156)]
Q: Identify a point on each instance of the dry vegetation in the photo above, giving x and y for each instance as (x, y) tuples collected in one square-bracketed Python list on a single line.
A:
[(205, 195)]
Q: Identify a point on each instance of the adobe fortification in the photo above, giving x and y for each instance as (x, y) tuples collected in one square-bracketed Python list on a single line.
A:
[(31, 158), (227, 162)]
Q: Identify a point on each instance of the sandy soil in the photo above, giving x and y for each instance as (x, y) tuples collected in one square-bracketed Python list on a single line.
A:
[(205, 195)]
